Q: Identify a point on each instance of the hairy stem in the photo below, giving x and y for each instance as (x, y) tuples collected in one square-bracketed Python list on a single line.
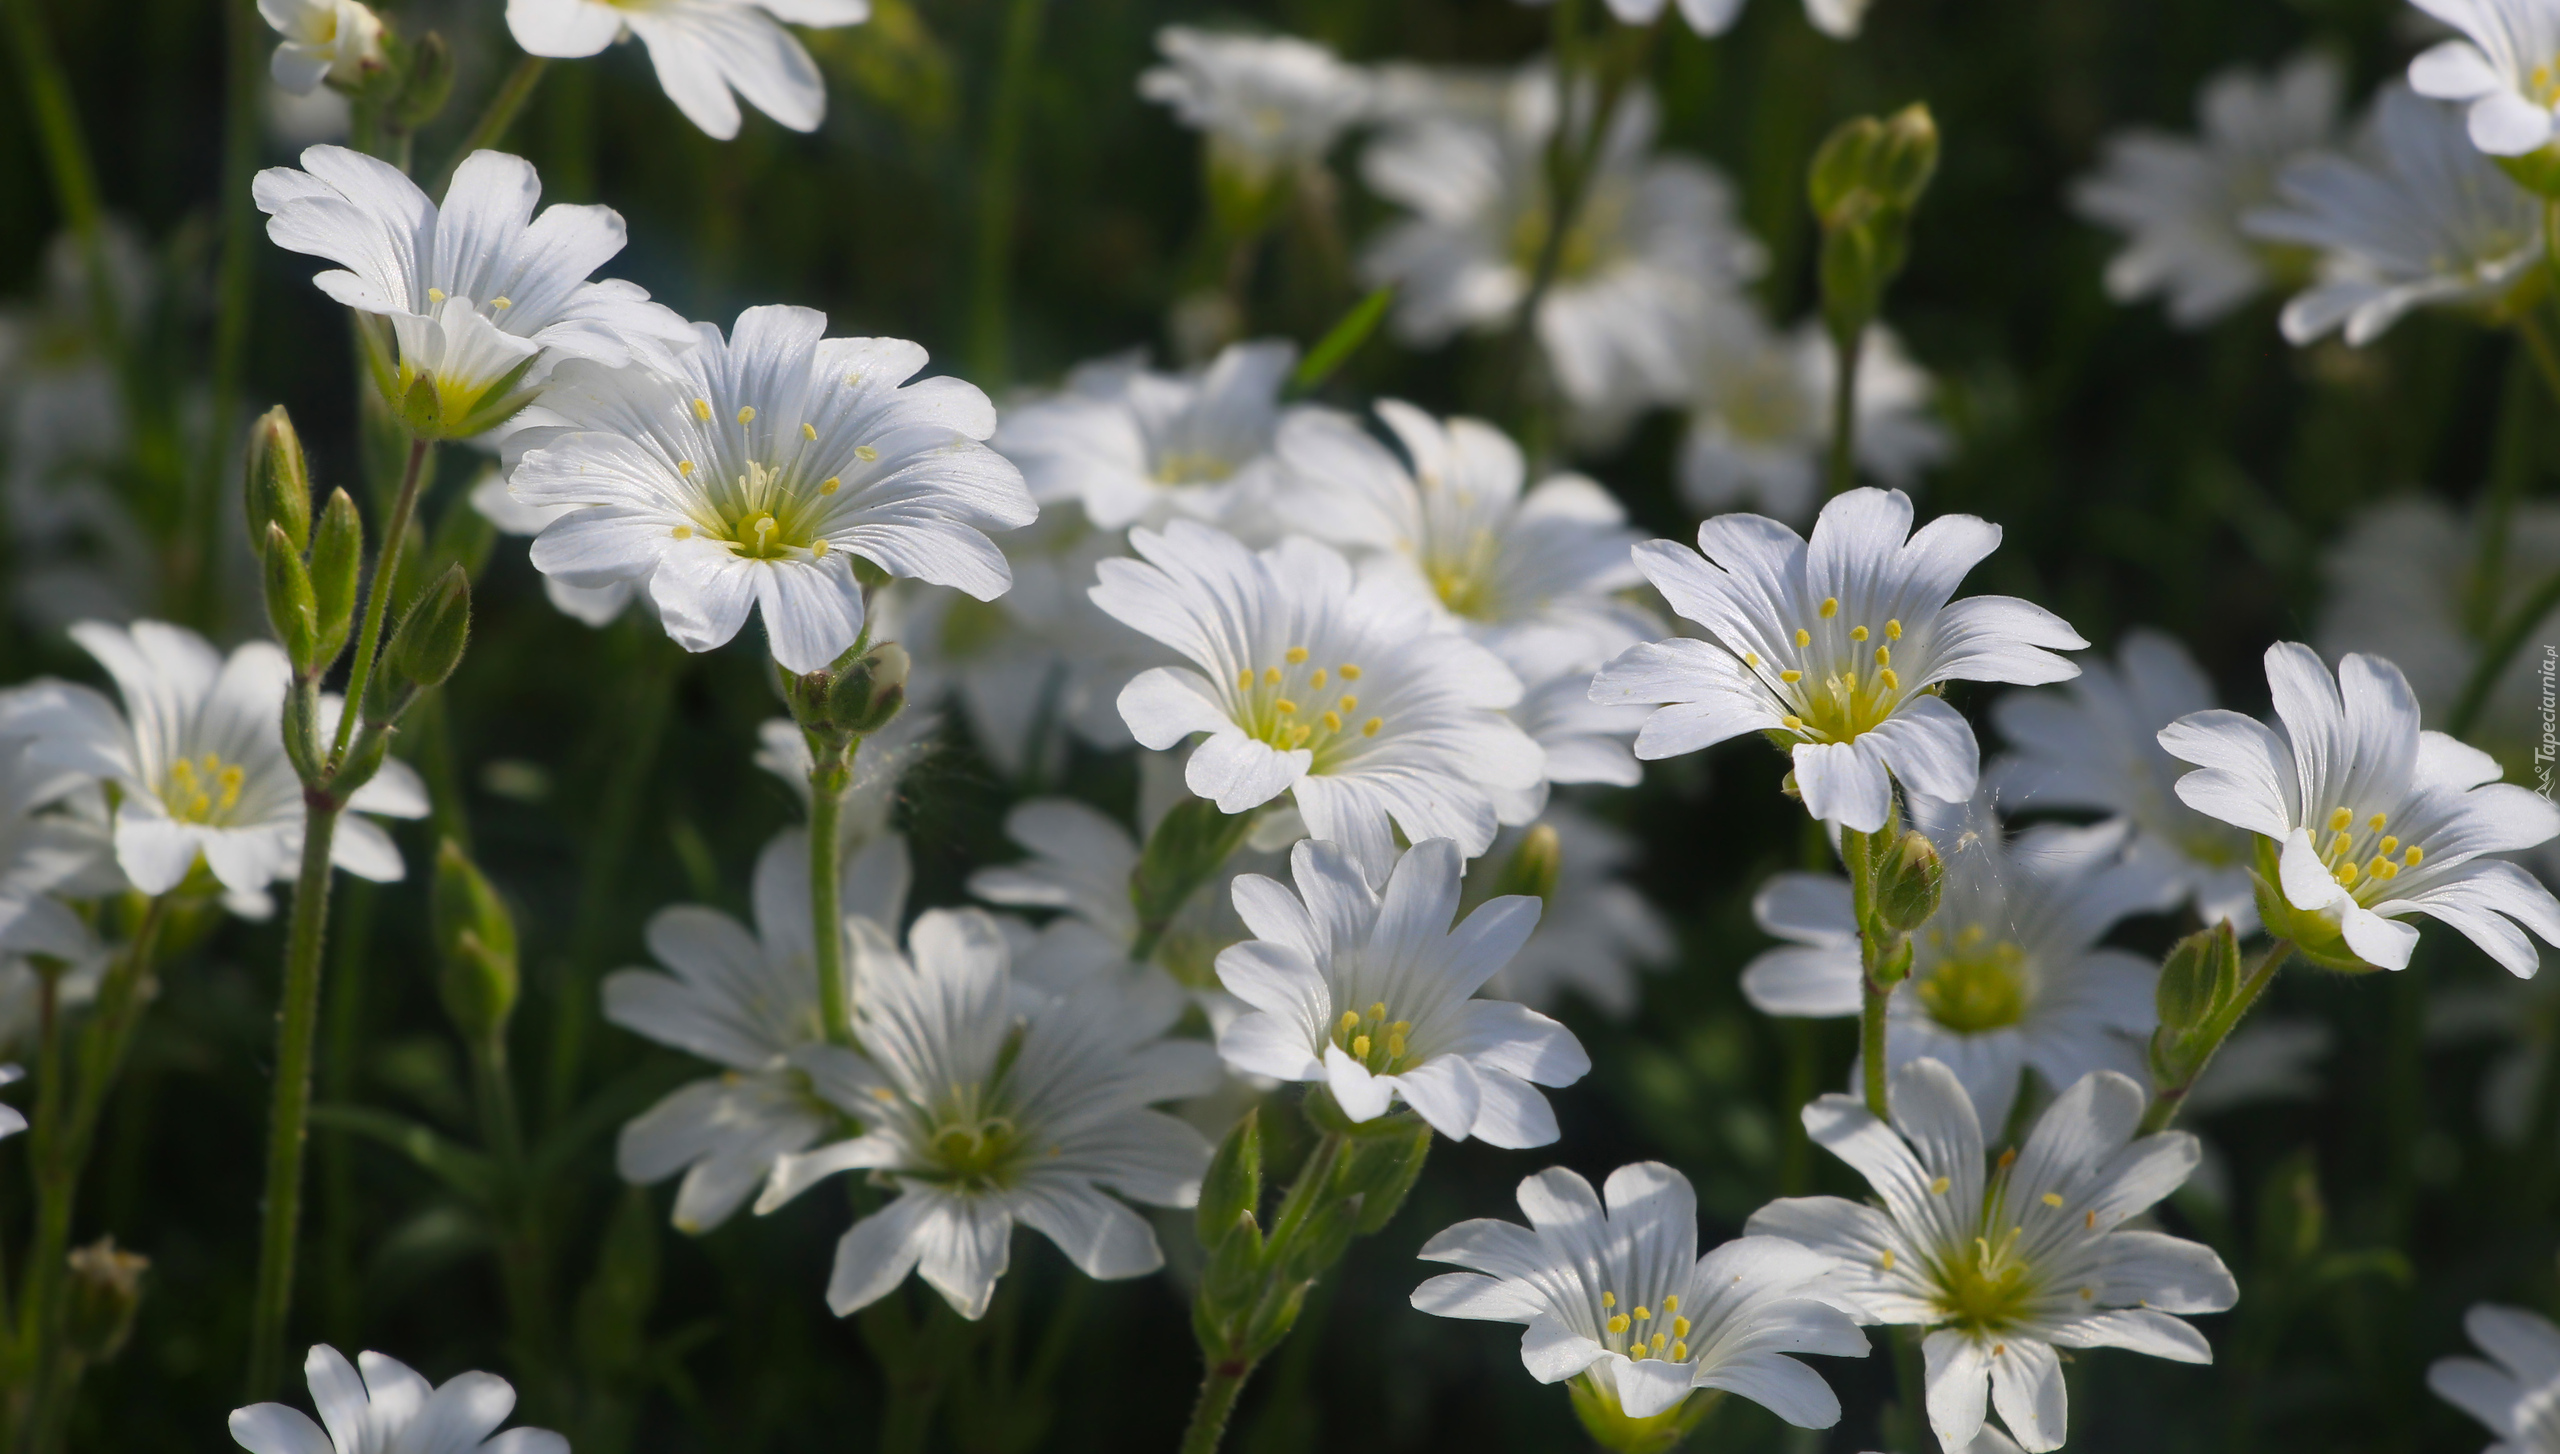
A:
[(1843, 473), (377, 603), (289, 1117), (990, 345), (1227, 1367), (497, 116), (2166, 1100), (831, 771)]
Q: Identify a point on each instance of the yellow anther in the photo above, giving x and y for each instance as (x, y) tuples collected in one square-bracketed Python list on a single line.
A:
[(1244, 679), (1680, 1352), (884, 1094), (1378, 1011), (1350, 673), (1893, 630), (866, 452), (1395, 1047), (830, 485), (1608, 1299), (2008, 1157), (1793, 722), (1618, 1324), (435, 295), (1804, 638), (1857, 633), (2339, 818), (853, 380), (1679, 1327), (500, 305), (1849, 682), (2088, 1294), (2382, 868), (2089, 1219), (1671, 1304), (1938, 1188), (1294, 655), (684, 467), (1642, 1315), (1891, 682), (702, 409), (808, 430), (1370, 727), (1316, 679), (1287, 708), (1271, 676), (1347, 704), (1884, 1262), (1656, 1345), (2053, 1199), (1359, 1047), (1884, 656), (682, 532), (2388, 845), (1751, 659), (2347, 874), (747, 414), (2413, 855), (2340, 844), (817, 548), (1350, 1022), (1791, 676), (2377, 821), (1998, 1349), (1332, 722), (1830, 607)]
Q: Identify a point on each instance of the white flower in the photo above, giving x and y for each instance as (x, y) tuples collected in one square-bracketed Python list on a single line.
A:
[(2516, 1390), (391, 1410), (54, 839), (2096, 745), (483, 297), (2367, 818), (987, 1103), (1654, 241), (1760, 414), (1267, 102), (197, 757), (1532, 573), (1374, 995), (2179, 201), (2008, 1263), (2420, 217), (1838, 19), (1597, 931), (596, 606), (336, 40), (1619, 1296), (1833, 645), (1139, 447), (1080, 864), (751, 470), (2007, 976), (1584, 741), (1346, 694), (2508, 69), (745, 1001), (702, 49)]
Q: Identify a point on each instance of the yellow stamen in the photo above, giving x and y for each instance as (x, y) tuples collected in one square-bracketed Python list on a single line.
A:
[(808, 430), (1287, 708), (1671, 1304), (1751, 659), (1331, 721), (1271, 676), (435, 295), (2377, 821), (2389, 845), (1244, 679), (2383, 868), (1891, 682), (1370, 727), (866, 452), (1316, 679), (1804, 638), (1857, 633), (1884, 656), (2413, 856), (683, 532), (1791, 676), (1656, 1345), (684, 467), (1680, 1352), (1642, 1316), (830, 485), (2053, 1199), (747, 414), (2340, 844), (2347, 874), (1350, 673), (1679, 1327), (1884, 1263), (1830, 607), (1793, 722), (1893, 630), (1378, 1010), (2339, 818), (817, 548), (1608, 1299), (1348, 704), (1359, 1047), (1294, 655), (1618, 1324), (1938, 1188), (702, 410), (1350, 1022)]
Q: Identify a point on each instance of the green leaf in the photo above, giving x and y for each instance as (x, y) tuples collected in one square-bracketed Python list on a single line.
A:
[(1341, 341), (470, 1174)]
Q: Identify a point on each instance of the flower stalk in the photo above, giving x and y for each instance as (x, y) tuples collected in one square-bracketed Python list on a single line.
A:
[(1895, 882), (386, 574), (289, 1114), (2203, 998)]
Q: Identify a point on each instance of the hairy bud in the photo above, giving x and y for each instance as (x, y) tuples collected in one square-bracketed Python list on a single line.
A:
[(429, 643), (337, 556), (287, 587), (277, 482), (1910, 879)]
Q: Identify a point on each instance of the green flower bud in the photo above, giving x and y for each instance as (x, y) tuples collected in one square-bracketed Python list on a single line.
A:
[(2201, 973), (1595, 1402), (100, 1298), (1534, 866), (429, 643), (277, 481), (337, 557), (1381, 1169), (1910, 879), (1233, 1186), (476, 941), (287, 586), (1189, 846), (1233, 1279), (428, 84), (867, 696)]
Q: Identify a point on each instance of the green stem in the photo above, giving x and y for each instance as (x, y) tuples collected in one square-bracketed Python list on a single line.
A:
[(342, 1040), (830, 773), (1857, 850), (2166, 1100), (288, 1120), (2541, 1167), (2497, 652), (236, 287), (1844, 415), (1216, 1404), (495, 118), (1226, 1368), (990, 326), (377, 602)]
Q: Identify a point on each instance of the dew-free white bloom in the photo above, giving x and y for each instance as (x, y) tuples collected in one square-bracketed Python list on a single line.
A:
[(1760, 414), (390, 1410), (743, 1000), (1654, 242), (986, 1102), (2007, 976), (1585, 742), (482, 297), (1345, 693), (751, 469), (597, 606), (2179, 200), (1617, 1294), (702, 50), (1374, 996), (339, 41), (54, 839), (2096, 745), (197, 756), (1533, 573), (1136, 446), (1833, 645), (1266, 102), (1838, 19), (2367, 818), (2515, 1391), (2506, 67), (1597, 933), (2417, 217), (2007, 1263)]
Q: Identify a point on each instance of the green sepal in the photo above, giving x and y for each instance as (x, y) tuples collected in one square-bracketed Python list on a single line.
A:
[(337, 558), (1233, 1186)]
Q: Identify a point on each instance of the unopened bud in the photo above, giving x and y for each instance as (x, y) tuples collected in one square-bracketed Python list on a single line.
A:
[(1909, 882), (277, 483), (2201, 972), (476, 941), (1381, 1168), (1233, 1186), (100, 1298), (287, 587), (868, 694), (1534, 867), (428, 84), (429, 643), (337, 556)]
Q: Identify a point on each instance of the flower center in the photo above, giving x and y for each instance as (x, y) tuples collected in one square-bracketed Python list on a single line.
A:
[(2363, 856), (1843, 681), (977, 1154), (2543, 85), (1643, 1332), (1193, 467), (1377, 1042), (202, 789), (1463, 575), (1296, 704), (1986, 1287), (1760, 402), (1978, 984)]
